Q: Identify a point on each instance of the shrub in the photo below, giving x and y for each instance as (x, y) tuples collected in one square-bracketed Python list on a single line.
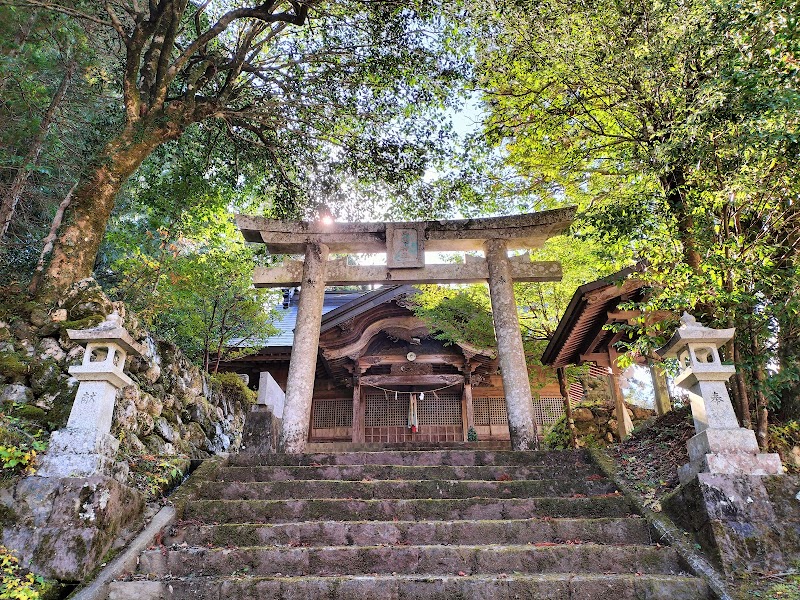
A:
[(19, 444), (156, 476), (233, 388), (16, 584)]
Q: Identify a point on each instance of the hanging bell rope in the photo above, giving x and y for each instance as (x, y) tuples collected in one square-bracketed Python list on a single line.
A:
[(413, 420)]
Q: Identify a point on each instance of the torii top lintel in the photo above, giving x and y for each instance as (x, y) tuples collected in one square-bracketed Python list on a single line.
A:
[(519, 231)]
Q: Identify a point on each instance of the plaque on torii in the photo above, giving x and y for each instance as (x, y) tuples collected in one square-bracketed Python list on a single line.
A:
[(405, 245)]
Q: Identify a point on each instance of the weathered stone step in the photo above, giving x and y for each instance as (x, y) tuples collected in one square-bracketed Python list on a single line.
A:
[(283, 511), (630, 530), (415, 587), (430, 560), (405, 489), (559, 459), (375, 472)]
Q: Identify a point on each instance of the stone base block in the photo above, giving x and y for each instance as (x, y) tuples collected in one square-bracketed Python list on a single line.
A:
[(82, 465), (261, 432), (71, 440), (82, 453), (64, 528), (732, 463), (722, 441), (270, 394), (734, 520)]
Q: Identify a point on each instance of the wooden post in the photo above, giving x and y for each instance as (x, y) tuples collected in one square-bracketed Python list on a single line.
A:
[(469, 410), (662, 399), (303, 363), (513, 368), (564, 387), (624, 424), (357, 433)]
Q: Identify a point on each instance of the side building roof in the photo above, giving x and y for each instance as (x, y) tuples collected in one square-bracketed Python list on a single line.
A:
[(580, 330)]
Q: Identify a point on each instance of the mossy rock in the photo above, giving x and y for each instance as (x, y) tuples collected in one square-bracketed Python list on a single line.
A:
[(233, 388), (86, 298), (195, 435), (83, 323), (57, 417), (156, 445), (32, 413), (13, 364), (46, 377)]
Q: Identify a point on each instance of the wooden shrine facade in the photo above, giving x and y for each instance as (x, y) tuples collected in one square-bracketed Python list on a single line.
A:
[(374, 355)]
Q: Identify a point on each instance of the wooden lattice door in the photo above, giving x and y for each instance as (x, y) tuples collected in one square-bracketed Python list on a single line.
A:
[(331, 419), (386, 418)]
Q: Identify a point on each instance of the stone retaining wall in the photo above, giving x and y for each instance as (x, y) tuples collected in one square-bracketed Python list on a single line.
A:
[(173, 408), (63, 528), (596, 425)]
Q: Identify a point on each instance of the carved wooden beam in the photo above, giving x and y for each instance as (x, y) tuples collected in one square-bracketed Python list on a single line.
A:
[(440, 380), (521, 231), (392, 359), (357, 348), (340, 273), (626, 316)]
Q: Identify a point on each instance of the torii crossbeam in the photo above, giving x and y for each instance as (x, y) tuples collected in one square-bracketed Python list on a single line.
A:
[(405, 245)]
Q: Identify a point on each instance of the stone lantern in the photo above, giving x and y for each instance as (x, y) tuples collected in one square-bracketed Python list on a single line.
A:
[(720, 445), (85, 447)]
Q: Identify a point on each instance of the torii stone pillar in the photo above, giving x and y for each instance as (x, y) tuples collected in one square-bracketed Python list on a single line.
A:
[(357, 428), (303, 363), (720, 445), (513, 367)]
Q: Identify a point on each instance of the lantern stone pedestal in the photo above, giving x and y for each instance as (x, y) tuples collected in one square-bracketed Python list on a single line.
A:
[(722, 498)]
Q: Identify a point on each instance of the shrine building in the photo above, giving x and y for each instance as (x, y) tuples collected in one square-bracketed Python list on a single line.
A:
[(377, 361)]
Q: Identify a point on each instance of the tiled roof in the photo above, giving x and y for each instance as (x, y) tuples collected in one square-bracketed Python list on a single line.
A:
[(584, 319), (287, 318)]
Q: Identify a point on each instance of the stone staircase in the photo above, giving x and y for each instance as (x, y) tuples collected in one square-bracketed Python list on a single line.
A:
[(398, 524)]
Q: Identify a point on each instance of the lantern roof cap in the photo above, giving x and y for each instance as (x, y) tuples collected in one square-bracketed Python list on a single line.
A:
[(690, 331), (109, 331)]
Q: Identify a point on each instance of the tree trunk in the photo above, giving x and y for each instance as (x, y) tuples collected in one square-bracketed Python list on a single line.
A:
[(789, 361), (49, 240), (741, 388), (220, 346), (75, 249), (674, 186), (11, 199), (762, 406)]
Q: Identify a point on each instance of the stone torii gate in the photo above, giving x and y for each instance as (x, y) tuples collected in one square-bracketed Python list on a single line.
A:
[(405, 245)]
